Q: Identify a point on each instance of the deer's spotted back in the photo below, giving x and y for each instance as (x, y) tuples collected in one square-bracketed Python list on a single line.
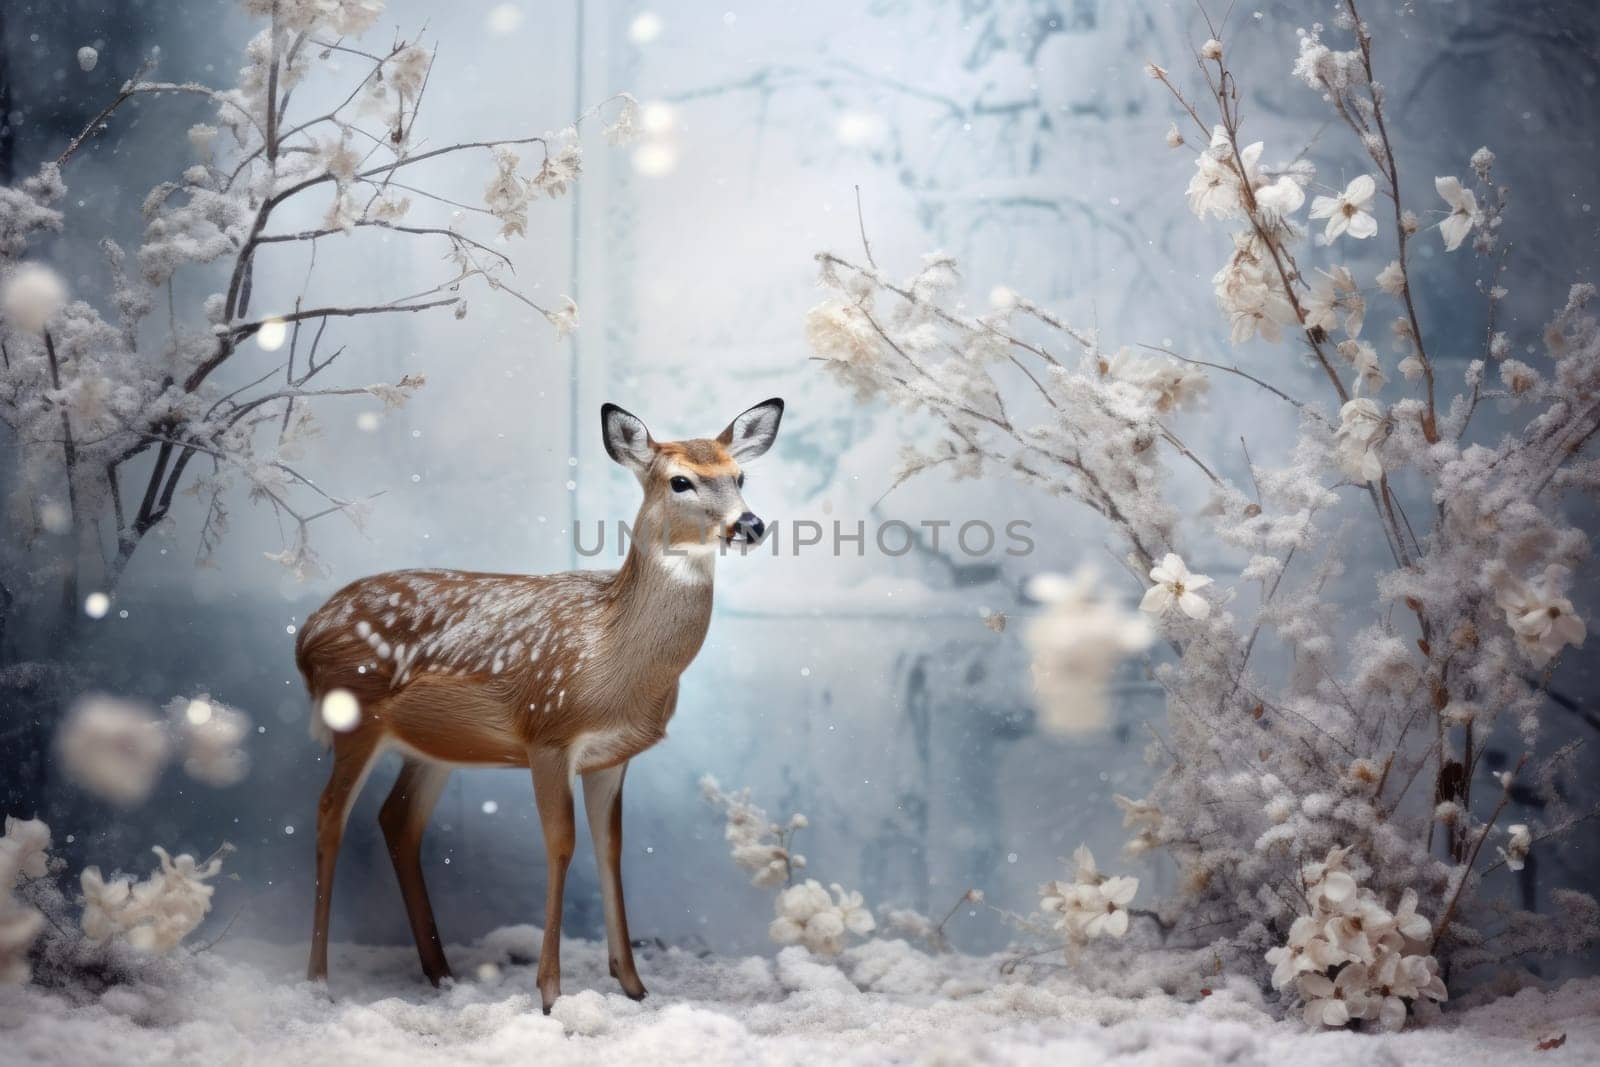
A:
[(384, 632)]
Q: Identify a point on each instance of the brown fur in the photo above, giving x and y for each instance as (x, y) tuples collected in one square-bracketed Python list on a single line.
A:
[(565, 674)]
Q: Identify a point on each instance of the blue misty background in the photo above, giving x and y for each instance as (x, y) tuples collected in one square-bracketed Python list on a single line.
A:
[(1020, 136)]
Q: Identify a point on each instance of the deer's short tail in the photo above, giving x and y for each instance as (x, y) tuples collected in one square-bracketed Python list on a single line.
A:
[(334, 657)]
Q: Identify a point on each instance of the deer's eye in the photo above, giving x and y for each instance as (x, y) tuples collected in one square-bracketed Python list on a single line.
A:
[(680, 484), (739, 481)]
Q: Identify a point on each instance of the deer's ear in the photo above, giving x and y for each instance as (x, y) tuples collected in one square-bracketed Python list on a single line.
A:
[(627, 440), (752, 433)]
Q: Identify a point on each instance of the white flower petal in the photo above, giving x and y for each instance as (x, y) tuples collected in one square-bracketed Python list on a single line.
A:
[(1194, 605)]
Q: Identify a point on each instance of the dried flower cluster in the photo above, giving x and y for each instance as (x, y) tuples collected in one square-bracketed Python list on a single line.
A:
[(24, 854), (149, 916), (804, 913), (1296, 726), (807, 915), (1352, 958), (1092, 905), (156, 914), (756, 843)]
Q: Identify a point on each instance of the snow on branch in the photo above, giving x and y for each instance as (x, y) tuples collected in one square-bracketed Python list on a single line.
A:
[(112, 410), (1353, 757)]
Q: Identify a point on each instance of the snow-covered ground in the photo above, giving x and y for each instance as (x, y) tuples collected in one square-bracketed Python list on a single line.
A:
[(884, 1002)]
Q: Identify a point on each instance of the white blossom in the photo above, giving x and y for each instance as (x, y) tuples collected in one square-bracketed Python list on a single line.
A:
[(1307, 950), (754, 842), (1519, 842), (1392, 278), (1279, 198), (565, 317), (1518, 377), (1463, 211), (840, 332), (1334, 1001), (560, 170), (1364, 358), (343, 17), (1176, 586), (1214, 189), (1349, 211), (807, 915), (1217, 189), (1541, 619), (1334, 299), (1362, 428), (507, 195), (1092, 905)]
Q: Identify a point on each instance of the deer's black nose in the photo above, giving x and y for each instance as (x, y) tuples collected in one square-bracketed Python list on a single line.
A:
[(749, 527)]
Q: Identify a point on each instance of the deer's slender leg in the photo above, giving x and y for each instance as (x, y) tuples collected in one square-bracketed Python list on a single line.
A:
[(552, 791), (352, 759), (602, 801), (404, 818)]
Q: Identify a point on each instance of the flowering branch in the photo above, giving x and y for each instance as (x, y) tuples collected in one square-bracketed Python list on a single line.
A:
[(1264, 769), (120, 410)]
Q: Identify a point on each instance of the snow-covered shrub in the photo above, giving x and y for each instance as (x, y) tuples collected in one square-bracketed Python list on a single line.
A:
[(113, 417), (1295, 728), (122, 921), (804, 913), (24, 854), (157, 913)]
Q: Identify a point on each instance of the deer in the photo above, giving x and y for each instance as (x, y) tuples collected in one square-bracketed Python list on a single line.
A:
[(570, 675)]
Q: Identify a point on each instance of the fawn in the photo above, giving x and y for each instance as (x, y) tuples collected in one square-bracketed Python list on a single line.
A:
[(565, 674)]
